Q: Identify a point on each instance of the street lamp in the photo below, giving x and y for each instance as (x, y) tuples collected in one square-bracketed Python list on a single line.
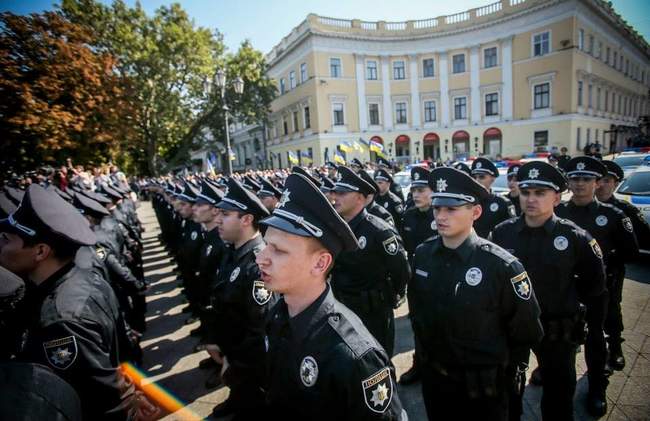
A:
[(238, 85)]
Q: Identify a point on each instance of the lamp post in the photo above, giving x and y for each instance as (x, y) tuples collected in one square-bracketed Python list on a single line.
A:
[(238, 85)]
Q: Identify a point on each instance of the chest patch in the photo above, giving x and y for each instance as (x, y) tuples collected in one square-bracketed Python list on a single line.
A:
[(494, 207), (560, 243), (601, 220), (208, 250), (434, 226), (234, 274), (308, 371), (61, 353), (194, 235), (473, 276), (362, 242), (378, 391)]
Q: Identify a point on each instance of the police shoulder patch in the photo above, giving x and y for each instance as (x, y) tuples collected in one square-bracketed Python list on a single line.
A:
[(378, 391), (596, 248), (261, 295), (62, 352), (522, 286), (100, 252), (627, 224), (391, 246)]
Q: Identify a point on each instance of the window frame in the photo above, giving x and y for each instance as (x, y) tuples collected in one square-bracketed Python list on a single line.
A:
[(340, 67), (395, 68), (532, 42), (453, 64), (368, 68), (535, 94), (370, 122), (427, 111), (464, 105), (334, 113), (496, 57), (398, 112), (304, 76), (433, 67), (485, 102)]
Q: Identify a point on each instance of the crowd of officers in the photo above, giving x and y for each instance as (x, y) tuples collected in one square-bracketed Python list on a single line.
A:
[(295, 277)]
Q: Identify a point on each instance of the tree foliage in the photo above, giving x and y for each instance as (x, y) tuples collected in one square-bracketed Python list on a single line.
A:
[(58, 96)]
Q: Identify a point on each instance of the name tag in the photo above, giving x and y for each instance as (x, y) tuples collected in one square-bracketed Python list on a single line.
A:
[(421, 272)]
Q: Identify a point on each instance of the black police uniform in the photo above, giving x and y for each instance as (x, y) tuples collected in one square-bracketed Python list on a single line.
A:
[(371, 280), (512, 172), (323, 363), (471, 307), (239, 306), (566, 266), (72, 317), (389, 200), (418, 225), (496, 209), (384, 165), (373, 208), (614, 233), (12, 292)]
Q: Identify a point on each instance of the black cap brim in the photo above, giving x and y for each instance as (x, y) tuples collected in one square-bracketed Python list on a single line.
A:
[(343, 189), (284, 225), (449, 202), (229, 206)]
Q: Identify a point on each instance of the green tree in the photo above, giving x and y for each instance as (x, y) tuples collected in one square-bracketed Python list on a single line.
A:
[(58, 97)]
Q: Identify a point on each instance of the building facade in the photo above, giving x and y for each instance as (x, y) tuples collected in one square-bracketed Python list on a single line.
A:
[(509, 78)]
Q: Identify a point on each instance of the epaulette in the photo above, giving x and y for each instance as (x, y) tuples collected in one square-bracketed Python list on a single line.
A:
[(348, 332), (497, 251)]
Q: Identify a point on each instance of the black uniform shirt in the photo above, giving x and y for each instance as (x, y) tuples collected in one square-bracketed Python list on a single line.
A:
[(609, 226), (639, 223), (417, 226), (380, 261), (563, 261), (374, 209), (496, 209), (323, 364), (73, 329), (515, 203), (470, 306), (393, 204)]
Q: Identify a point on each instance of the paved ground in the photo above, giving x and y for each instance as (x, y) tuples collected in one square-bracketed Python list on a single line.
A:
[(171, 362)]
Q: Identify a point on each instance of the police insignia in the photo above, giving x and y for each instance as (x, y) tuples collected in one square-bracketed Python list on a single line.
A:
[(580, 166), (399, 208), (378, 391), (308, 371), (261, 295), (208, 250), (284, 199), (434, 226), (61, 353), (560, 243), (596, 248), (386, 205), (391, 246), (494, 207), (194, 235), (362, 242), (101, 253), (627, 224), (416, 176), (521, 285), (473, 276), (601, 220), (234, 274)]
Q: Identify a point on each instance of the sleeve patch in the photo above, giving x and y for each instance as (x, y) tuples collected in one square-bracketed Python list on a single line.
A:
[(61, 353), (522, 286), (627, 224), (596, 248), (261, 295), (391, 246), (378, 391)]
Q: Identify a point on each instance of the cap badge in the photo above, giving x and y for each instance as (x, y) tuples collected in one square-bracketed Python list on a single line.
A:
[(580, 166), (441, 184), (285, 198), (479, 165), (308, 371), (473, 276), (533, 173), (516, 170), (416, 176)]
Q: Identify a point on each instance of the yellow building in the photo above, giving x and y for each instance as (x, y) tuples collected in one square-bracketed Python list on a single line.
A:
[(508, 78)]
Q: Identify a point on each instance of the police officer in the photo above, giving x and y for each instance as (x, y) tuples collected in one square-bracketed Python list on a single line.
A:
[(190, 242), (386, 198), (472, 305), (614, 233), (240, 302), (566, 265), (496, 209), (605, 193), (269, 195), (383, 164), (323, 363), (331, 170), (371, 206), (513, 194), (371, 280), (71, 313), (356, 165)]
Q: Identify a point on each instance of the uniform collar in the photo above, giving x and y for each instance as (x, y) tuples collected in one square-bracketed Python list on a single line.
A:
[(464, 251), (548, 226), (248, 246), (591, 207), (354, 222), (303, 323), (53, 280)]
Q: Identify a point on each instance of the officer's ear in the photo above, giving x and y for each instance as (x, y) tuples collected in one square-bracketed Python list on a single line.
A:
[(477, 211), (41, 252), (558, 199)]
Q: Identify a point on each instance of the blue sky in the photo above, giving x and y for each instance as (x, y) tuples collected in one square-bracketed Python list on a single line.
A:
[(265, 22)]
